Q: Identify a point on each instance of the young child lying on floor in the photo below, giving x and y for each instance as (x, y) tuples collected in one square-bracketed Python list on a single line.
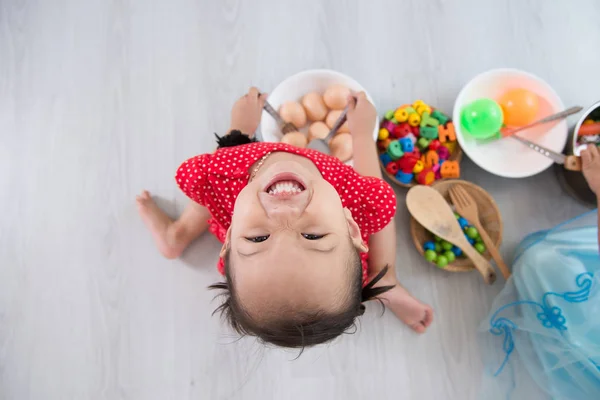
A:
[(306, 239)]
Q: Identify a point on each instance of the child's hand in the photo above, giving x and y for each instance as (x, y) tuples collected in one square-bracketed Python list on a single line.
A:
[(361, 116), (590, 158), (246, 112)]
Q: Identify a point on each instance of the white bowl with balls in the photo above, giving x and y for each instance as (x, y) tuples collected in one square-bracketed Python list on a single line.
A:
[(313, 100)]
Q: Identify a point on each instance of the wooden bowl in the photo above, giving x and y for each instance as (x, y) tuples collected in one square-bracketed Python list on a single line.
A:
[(489, 215), (455, 156)]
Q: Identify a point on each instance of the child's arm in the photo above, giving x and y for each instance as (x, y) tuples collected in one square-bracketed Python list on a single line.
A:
[(247, 111), (382, 245), (590, 158)]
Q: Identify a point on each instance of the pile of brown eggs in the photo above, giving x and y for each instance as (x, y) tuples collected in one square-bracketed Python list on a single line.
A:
[(319, 112)]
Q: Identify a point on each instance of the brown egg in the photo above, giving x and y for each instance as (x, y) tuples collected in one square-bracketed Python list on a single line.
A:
[(336, 97), (297, 139), (315, 107), (317, 130), (332, 117), (341, 146), (293, 112)]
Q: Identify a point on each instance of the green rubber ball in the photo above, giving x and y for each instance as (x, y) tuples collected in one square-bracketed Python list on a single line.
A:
[(450, 256), (480, 247), (442, 261), (430, 255), (446, 245)]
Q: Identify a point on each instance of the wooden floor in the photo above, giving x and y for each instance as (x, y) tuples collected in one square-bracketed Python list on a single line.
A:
[(101, 99)]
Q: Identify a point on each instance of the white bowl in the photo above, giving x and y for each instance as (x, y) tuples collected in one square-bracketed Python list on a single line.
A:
[(508, 157), (296, 86)]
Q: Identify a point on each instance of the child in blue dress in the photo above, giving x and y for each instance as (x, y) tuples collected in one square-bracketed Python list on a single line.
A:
[(545, 324)]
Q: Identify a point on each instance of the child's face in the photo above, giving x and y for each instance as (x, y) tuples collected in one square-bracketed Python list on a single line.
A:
[(291, 240)]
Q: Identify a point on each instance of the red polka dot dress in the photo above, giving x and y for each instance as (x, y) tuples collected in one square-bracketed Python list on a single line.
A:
[(215, 180)]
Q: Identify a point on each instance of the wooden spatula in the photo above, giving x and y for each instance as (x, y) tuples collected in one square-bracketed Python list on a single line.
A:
[(430, 209)]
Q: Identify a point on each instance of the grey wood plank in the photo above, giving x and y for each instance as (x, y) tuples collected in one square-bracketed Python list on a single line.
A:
[(99, 100)]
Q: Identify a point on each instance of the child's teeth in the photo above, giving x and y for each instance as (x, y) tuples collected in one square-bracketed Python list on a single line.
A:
[(285, 187)]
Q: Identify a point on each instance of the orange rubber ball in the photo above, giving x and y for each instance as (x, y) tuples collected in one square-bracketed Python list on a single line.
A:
[(520, 107)]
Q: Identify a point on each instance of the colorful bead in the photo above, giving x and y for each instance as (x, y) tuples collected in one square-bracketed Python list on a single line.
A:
[(423, 143), (446, 133), (414, 119), (418, 103), (434, 145), (395, 150), (429, 132), (415, 130), (407, 163), (409, 109), (450, 169), (389, 125), (423, 108), (451, 146), (419, 166), (457, 252), (428, 246), (392, 168), (430, 255), (443, 152), (426, 177), (463, 222), (383, 134), (383, 144), (480, 247), (389, 114), (412, 138), (385, 158), (407, 145), (440, 116), (472, 232), (404, 177), (442, 261), (401, 115), (394, 121), (446, 245), (449, 255), (401, 130)]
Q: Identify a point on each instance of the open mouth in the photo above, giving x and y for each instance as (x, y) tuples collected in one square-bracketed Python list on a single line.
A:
[(285, 185)]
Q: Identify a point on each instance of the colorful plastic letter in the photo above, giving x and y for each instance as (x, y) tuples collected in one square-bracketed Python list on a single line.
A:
[(450, 169), (446, 133)]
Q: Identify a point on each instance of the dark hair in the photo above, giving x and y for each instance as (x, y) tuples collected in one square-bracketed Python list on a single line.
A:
[(300, 329)]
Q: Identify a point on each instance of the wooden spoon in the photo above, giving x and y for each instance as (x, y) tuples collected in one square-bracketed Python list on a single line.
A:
[(430, 209)]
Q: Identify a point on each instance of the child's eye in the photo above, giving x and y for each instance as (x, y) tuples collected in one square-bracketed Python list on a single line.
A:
[(310, 236), (257, 239)]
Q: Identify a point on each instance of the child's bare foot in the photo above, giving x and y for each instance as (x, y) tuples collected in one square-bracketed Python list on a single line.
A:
[(158, 222), (408, 309)]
